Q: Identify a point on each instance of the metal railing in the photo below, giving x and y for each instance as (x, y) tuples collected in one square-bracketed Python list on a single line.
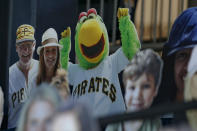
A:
[(152, 112)]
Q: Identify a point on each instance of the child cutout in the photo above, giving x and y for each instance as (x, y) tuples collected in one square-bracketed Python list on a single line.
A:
[(141, 79)]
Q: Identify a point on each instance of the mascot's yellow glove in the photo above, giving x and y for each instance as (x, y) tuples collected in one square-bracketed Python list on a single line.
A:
[(122, 12), (66, 33), (129, 37), (65, 41)]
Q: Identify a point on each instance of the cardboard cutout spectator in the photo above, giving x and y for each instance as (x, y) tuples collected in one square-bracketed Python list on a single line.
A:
[(49, 58), (38, 109), (176, 54), (142, 80), (21, 73), (190, 92), (73, 117)]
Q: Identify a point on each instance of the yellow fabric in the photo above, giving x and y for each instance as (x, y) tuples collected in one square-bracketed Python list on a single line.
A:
[(89, 39), (25, 32), (122, 12), (66, 33)]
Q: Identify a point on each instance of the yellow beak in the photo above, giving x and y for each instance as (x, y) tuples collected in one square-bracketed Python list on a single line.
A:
[(90, 33)]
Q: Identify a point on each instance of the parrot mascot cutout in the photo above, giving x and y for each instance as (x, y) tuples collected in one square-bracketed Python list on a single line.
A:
[(95, 78)]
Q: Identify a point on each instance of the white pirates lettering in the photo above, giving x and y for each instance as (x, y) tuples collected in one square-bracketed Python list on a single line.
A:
[(94, 85)]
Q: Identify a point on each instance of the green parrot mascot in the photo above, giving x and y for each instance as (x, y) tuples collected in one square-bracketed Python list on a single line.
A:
[(95, 77)]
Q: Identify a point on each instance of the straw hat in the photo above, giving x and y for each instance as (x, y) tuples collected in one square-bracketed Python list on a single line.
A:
[(50, 33), (25, 32)]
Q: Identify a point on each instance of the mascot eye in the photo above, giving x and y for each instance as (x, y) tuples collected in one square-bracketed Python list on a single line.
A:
[(91, 16), (82, 17)]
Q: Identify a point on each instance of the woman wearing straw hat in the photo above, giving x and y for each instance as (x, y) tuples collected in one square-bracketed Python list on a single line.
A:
[(49, 54)]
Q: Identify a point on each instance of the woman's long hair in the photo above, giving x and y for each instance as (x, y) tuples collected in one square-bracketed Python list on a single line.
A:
[(168, 90), (42, 68)]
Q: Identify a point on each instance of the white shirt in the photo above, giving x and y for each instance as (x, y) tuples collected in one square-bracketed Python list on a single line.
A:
[(18, 91), (99, 87)]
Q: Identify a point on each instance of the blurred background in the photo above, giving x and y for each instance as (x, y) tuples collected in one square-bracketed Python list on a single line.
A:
[(153, 18)]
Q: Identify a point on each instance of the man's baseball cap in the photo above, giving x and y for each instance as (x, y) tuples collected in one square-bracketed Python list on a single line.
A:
[(25, 32)]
